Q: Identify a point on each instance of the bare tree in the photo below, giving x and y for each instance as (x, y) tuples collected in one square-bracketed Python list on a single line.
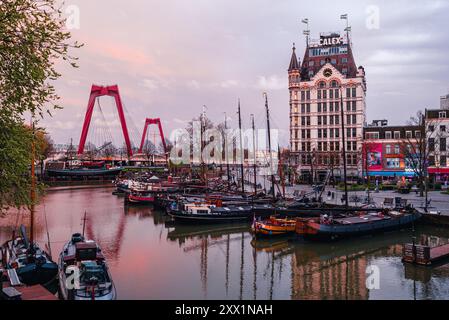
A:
[(418, 148), (149, 150)]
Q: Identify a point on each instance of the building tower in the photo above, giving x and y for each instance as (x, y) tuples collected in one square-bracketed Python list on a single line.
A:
[(328, 73)]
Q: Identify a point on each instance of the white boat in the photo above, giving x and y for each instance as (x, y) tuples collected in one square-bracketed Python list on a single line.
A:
[(83, 272)]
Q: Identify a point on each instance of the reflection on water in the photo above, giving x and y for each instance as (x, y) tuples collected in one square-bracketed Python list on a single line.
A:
[(150, 258)]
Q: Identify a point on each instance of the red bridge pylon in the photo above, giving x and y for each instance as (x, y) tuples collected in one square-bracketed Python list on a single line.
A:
[(149, 121), (98, 91)]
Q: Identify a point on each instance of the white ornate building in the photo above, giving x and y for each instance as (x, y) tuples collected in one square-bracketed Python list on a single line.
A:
[(326, 77)]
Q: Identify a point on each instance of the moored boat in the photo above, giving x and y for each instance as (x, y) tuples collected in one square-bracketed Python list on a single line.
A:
[(83, 258), (334, 227), (208, 213), (32, 265), (274, 226)]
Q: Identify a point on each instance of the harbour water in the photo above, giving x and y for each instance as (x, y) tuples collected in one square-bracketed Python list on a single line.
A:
[(150, 259)]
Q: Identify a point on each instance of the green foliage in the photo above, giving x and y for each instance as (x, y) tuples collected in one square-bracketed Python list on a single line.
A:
[(15, 146), (32, 39)]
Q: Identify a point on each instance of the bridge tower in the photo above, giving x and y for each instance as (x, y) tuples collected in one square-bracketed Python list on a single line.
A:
[(98, 91)]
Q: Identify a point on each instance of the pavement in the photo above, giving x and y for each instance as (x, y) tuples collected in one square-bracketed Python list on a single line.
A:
[(438, 201)]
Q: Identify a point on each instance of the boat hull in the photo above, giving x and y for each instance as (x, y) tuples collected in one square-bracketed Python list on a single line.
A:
[(209, 218), (316, 231)]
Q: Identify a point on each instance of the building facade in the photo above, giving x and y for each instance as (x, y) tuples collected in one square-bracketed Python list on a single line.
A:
[(444, 102), (384, 150), (324, 84), (437, 126)]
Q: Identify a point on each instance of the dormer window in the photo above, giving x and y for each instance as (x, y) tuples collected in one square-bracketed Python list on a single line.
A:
[(442, 114)]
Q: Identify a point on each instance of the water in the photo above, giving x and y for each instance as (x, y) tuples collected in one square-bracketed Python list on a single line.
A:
[(149, 260)]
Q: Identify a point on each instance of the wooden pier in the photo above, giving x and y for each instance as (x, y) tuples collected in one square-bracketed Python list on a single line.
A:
[(424, 255)]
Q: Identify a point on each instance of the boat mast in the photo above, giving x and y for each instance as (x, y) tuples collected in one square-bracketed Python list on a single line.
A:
[(255, 158), (33, 186), (84, 222), (281, 172), (242, 155), (343, 140), (226, 152), (269, 144)]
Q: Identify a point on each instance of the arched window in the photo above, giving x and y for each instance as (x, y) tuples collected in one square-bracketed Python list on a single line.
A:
[(322, 84), (334, 84)]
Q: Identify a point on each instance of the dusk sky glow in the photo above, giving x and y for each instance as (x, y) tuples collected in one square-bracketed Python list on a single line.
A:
[(170, 58)]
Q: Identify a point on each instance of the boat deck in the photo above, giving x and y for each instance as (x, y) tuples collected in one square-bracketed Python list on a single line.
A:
[(362, 219)]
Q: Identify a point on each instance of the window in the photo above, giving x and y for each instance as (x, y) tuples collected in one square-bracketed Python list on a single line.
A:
[(322, 62), (354, 119), (372, 135), (408, 134), (442, 114), (348, 105), (308, 107), (396, 149), (324, 120), (443, 161), (442, 144), (303, 121), (417, 134), (387, 134), (322, 84), (337, 133), (308, 121), (324, 106), (431, 144), (348, 92), (319, 106), (331, 106), (337, 93), (393, 163), (354, 132), (331, 94), (344, 60), (331, 132), (331, 120), (431, 160), (431, 128), (303, 95), (354, 145), (319, 120), (324, 94), (397, 134), (354, 92), (310, 73), (337, 104), (443, 128), (308, 93), (334, 61), (324, 133), (303, 133), (344, 70), (319, 94), (348, 119), (319, 133), (334, 84), (354, 106), (311, 63), (303, 107), (388, 149)]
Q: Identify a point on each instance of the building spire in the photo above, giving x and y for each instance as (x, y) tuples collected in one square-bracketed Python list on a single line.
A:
[(294, 64)]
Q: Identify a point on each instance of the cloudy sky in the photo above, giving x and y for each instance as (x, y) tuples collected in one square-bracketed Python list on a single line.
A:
[(170, 58)]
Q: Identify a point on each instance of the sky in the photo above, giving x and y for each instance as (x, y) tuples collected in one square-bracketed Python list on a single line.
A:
[(170, 58)]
